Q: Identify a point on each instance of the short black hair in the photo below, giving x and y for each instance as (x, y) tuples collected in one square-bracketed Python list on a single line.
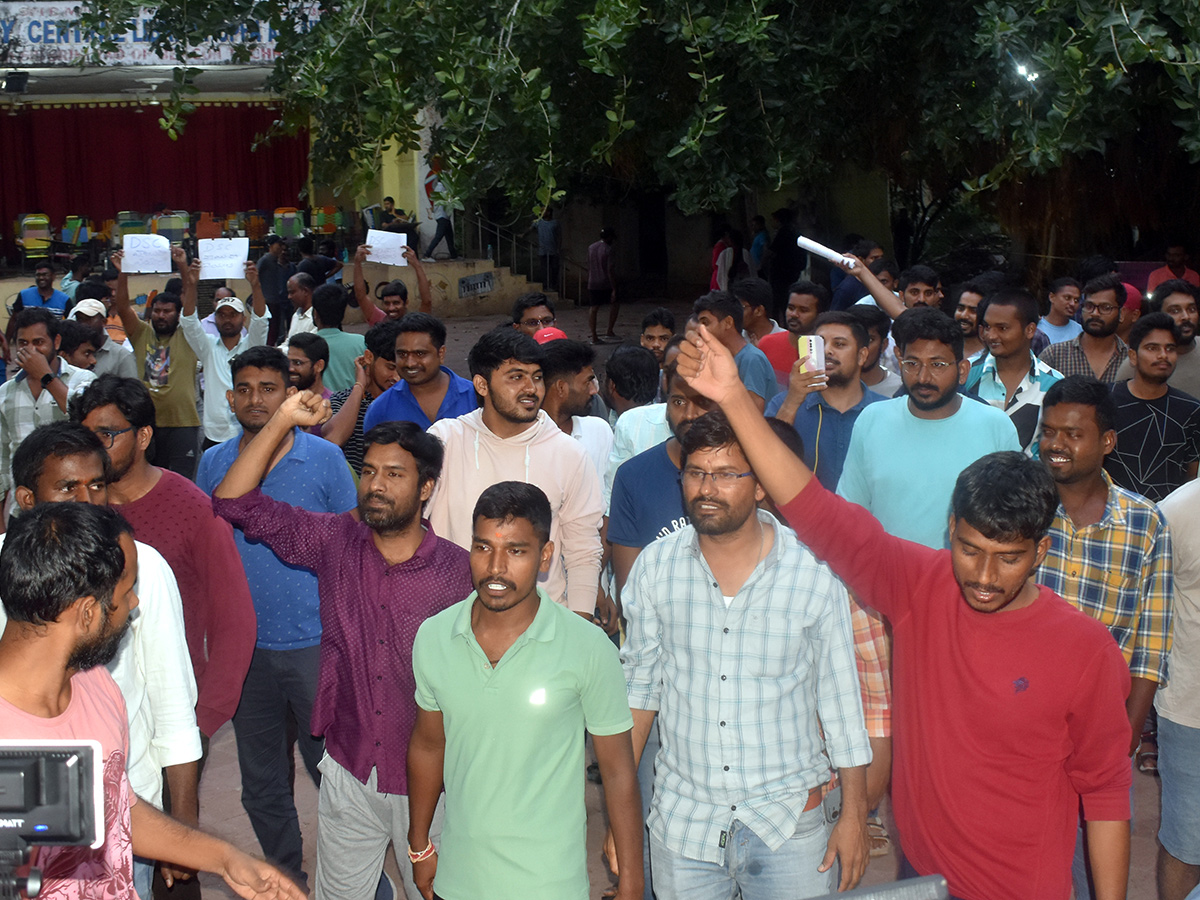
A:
[(81, 263), (863, 248), (311, 345), (306, 245), (500, 344), (1169, 287), (129, 395), (529, 301), (261, 357), (423, 323), (564, 358), (851, 321), (660, 316), (1059, 283), (813, 289), (507, 500), (92, 290), (633, 373), (329, 305), (168, 297), (381, 339), (873, 319), (56, 553), (884, 264), (1085, 391), (722, 304), (918, 274), (36, 315), (1005, 496), (789, 435), (394, 288), (753, 291), (273, 239), (75, 333), (924, 323), (43, 264), (58, 440), (711, 430), (1106, 283), (426, 449), (1018, 298), (1156, 321)]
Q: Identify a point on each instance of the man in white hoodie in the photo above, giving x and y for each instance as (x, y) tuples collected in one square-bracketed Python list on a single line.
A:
[(512, 439)]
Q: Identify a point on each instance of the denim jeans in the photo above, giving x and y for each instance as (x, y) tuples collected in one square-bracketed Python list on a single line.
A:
[(750, 869), (280, 684)]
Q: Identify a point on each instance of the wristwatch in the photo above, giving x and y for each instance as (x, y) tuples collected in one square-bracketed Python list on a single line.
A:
[(47, 378)]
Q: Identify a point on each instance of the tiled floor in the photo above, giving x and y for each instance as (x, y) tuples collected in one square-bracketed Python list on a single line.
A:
[(221, 813)]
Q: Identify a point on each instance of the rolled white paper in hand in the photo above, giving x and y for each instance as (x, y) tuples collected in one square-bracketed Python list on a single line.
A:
[(821, 250)]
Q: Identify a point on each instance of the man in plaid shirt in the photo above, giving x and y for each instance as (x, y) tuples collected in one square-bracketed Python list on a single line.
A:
[(1110, 549)]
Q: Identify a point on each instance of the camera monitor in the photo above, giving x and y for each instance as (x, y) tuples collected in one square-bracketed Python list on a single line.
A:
[(51, 792)]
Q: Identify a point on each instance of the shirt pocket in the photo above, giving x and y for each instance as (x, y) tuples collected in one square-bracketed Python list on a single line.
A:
[(773, 644)]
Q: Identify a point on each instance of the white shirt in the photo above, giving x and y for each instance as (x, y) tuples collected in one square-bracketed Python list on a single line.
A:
[(597, 439), (1176, 700), (636, 430), (219, 423), (154, 672), (20, 413), (302, 322)]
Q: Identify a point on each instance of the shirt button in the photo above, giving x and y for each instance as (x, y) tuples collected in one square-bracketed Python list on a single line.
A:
[(379, 712), (726, 630), (734, 807), (722, 724), (378, 744), (381, 641), (726, 768), (722, 677), (379, 678)]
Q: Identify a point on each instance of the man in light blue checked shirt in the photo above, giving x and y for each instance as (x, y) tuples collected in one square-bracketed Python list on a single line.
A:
[(741, 641)]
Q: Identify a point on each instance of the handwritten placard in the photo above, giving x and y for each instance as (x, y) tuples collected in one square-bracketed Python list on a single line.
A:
[(146, 253), (223, 257), (387, 247)]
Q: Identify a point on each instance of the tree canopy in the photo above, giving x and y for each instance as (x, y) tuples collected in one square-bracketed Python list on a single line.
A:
[(710, 99)]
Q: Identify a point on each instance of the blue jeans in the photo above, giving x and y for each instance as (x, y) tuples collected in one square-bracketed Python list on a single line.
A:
[(280, 684), (750, 869), (445, 229)]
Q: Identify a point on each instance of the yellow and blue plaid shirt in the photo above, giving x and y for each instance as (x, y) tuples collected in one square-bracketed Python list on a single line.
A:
[(1118, 571)]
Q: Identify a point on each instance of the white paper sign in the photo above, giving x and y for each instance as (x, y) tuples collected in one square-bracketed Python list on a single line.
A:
[(223, 257), (387, 247), (146, 253)]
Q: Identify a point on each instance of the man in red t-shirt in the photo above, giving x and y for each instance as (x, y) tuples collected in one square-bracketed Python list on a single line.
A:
[(1009, 702), (806, 300)]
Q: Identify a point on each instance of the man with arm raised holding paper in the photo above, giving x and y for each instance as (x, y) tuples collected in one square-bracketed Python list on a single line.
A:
[(1010, 704)]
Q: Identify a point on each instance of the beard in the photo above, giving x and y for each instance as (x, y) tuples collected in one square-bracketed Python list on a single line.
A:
[(937, 401), (101, 650), (837, 377), (1097, 327), (514, 411), (305, 382), (723, 521), (387, 517)]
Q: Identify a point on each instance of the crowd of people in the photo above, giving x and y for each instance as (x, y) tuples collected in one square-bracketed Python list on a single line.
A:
[(973, 589)]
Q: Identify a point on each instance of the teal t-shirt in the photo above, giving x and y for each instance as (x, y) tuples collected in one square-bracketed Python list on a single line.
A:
[(516, 825), (344, 348), (755, 371), (903, 469)]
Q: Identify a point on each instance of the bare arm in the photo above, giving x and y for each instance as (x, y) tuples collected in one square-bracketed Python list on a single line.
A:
[(303, 409), (1192, 468), (190, 275), (256, 292), (888, 302), (1108, 852), (614, 754), (423, 287), (1141, 699), (426, 758), (183, 782), (800, 385), (849, 841), (158, 836), (362, 292), (129, 317), (339, 429)]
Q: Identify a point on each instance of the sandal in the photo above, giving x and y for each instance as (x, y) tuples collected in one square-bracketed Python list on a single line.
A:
[(881, 844), (1147, 754)]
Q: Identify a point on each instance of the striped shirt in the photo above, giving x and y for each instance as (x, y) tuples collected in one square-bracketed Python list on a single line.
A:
[(1069, 358), (20, 413), (739, 689), (1118, 571), (1025, 407)]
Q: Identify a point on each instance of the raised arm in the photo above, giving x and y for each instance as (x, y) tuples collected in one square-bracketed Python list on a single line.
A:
[(256, 291), (362, 292), (303, 409), (423, 288), (888, 302), (190, 275), (340, 427), (129, 316)]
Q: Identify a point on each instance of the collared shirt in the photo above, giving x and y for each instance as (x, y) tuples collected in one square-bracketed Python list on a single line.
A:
[(302, 322), (739, 689), (219, 423), (1069, 359), (370, 613), (509, 727), (1025, 407), (397, 403), (20, 413), (312, 475), (115, 359), (344, 348), (1118, 570), (636, 431), (825, 431)]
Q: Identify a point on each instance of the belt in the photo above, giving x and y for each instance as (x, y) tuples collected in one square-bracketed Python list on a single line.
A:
[(815, 796)]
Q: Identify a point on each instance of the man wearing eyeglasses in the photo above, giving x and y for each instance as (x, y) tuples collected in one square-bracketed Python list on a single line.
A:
[(740, 643), (905, 454), (532, 312), (1098, 352)]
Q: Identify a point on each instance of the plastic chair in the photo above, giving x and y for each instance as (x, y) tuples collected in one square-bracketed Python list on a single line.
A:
[(34, 237), (256, 227), (173, 226), (370, 216), (289, 222), (325, 219)]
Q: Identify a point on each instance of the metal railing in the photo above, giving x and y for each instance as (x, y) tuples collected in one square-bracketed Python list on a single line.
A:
[(505, 247)]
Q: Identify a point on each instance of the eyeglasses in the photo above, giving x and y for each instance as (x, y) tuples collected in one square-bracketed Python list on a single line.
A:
[(719, 479), (543, 322), (1105, 309), (914, 366), (107, 437)]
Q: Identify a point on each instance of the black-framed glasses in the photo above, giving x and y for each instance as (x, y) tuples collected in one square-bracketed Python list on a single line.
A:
[(107, 436), (719, 479)]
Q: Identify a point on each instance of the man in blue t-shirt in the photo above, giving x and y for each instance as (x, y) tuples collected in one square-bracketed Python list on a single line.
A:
[(42, 293), (647, 504), (311, 473), (721, 313), (427, 389)]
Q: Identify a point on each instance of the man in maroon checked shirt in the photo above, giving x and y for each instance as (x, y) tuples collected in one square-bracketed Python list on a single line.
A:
[(389, 573), (1009, 702)]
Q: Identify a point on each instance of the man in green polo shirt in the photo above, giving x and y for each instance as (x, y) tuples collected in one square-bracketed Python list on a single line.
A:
[(507, 681), (329, 308)]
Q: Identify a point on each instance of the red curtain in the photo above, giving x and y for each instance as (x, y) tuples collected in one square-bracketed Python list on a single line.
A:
[(97, 162)]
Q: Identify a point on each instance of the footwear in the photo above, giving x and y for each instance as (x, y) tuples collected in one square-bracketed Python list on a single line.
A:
[(593, 773), (881, 844), (1147, 753)]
